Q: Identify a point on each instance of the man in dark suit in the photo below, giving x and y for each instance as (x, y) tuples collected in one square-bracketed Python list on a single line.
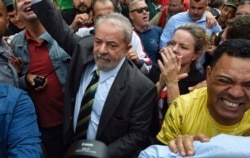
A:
[(124, 100)]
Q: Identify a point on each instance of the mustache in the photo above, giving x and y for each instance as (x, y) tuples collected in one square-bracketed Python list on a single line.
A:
[(102, 56), (85, 6)]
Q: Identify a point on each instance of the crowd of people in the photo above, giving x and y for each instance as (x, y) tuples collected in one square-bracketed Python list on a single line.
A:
[(139, 78)]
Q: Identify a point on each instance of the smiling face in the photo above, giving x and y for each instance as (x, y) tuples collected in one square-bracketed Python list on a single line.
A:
[(15, 19), (24, 10), (228, 87), (228, 12)]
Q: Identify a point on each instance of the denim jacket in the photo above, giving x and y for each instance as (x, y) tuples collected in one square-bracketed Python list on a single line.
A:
[(8, 73), (19, 133), (60, 59)]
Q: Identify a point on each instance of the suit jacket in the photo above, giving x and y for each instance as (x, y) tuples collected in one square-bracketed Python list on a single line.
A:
[(126, 116)]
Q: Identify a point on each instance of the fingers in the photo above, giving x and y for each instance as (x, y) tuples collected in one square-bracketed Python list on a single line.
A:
[(201, 138), (172, 146), (182, 76), (32, 80), (81, 20), (42, 86), (168, 57), (184, 144), (133, 56)]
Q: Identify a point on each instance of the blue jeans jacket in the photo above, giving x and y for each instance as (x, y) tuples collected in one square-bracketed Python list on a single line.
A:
[(60, 59), (19, 133)]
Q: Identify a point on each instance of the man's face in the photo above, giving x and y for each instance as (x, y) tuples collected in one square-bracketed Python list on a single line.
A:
[(100, 9), (243, 9), (3, 19), (197, 9), (24, 10), (109, 46), (139, 14), (82, 6), (175, 6), (15, 20), (227, 12), (228, 86)]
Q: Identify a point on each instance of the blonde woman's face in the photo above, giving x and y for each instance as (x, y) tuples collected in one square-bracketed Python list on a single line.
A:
[(183, 44)]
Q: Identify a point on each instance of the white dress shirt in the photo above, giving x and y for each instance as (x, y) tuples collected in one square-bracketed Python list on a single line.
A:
[(104, 84)]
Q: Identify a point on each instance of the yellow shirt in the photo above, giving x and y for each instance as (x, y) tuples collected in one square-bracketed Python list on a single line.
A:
[(188, 114)]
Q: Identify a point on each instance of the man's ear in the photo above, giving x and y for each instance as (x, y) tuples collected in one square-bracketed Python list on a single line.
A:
[(7, 22), (208, 73)]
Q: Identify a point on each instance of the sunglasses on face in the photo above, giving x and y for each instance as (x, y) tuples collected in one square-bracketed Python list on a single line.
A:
[(140, 10)]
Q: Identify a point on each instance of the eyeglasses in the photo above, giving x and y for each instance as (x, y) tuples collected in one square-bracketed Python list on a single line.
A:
[(140, 10)]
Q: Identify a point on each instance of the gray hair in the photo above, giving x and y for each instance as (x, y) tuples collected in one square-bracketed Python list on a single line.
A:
[(117, 20), (133, 2)]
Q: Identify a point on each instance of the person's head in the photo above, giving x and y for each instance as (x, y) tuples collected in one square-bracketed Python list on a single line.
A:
[(227, 12), (113, 33), (24, 11), (189, 41), (3, 19), (13, 17), (228, 81), (243, 8), (102, 7), (82, 6), (197, 9), (139, 13), (175, 6), (216, 4), (237, 27)]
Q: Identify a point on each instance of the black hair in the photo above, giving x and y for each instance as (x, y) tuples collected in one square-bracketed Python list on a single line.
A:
[(239, 48), (10, 8)]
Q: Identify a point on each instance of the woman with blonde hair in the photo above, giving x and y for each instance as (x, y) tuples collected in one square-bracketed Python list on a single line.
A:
[(177, 70)]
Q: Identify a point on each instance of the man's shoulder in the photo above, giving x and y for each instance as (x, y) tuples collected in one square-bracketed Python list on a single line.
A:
[(18, 37), (178, 19), (181, 15), (157, 28), (198, 95)]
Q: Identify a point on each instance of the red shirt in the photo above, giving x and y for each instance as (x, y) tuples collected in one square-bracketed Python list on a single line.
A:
[(49, 101)]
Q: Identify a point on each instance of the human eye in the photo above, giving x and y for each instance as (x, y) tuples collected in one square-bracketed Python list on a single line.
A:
[(97, 41), (223, 81), (171, 43), (247, 85), (112, 46), (184, 47)]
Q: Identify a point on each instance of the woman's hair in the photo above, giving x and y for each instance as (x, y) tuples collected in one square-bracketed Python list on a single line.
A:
[(199, 34)]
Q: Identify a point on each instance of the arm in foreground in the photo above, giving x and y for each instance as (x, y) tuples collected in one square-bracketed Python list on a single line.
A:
[(23, 135)]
